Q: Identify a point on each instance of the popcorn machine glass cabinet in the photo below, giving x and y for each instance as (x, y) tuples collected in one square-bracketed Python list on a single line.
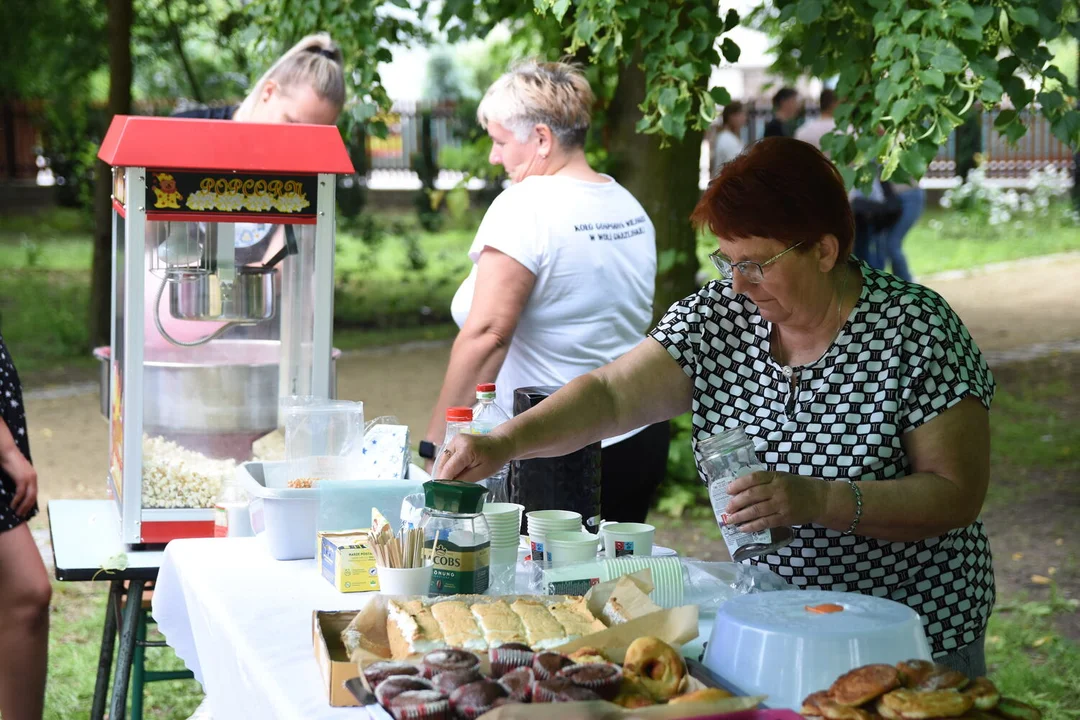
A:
[(228, 330)]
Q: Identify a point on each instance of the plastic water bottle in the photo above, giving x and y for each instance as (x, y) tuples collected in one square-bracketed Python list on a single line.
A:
[(458, 421), (486, 417)]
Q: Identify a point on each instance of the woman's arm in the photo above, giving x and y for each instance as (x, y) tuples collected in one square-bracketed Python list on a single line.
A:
[(503, 286), (15, 464), (642, 387), (950, 462)]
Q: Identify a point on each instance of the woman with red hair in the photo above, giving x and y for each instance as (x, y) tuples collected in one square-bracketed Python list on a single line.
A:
[(865, 396)]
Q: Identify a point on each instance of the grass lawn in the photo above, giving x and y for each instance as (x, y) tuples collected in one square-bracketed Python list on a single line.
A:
[(74, 641)]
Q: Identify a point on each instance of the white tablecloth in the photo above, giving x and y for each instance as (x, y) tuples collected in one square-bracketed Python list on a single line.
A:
[(241, 621)]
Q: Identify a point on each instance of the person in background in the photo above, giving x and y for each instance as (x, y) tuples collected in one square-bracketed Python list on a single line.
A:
[(728, 142), (564, 267), (785, 105), (865, 396), (812, 130), (912, 201), (305, 85), (25, 591)]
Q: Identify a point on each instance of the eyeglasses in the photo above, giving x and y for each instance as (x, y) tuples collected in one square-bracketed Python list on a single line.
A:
[(752, 271)]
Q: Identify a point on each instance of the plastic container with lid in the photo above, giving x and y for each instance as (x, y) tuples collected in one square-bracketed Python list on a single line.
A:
[(724, 457), (456, 537), (789, 644)]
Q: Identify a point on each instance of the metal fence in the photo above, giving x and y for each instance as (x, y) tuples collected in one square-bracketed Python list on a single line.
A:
[(1037, 149)]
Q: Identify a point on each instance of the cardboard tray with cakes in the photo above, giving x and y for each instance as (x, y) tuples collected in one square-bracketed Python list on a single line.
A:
[(607, 655)]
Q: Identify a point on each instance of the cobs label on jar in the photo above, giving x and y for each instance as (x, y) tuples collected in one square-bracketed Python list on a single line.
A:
[(458, 569)]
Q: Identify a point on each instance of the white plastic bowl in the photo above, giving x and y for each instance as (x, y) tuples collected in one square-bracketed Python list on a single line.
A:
[(770, 644)]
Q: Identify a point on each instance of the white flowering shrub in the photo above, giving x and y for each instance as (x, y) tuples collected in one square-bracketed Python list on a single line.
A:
[(992, 209)]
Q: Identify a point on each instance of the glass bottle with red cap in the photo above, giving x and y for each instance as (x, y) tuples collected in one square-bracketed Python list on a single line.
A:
[(458, 420)]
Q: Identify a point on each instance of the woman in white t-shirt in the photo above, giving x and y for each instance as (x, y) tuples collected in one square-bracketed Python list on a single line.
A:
[(564, 267)]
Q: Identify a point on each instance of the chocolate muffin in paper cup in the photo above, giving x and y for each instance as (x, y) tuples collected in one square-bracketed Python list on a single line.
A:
[(420, 705), (518, 683), (473, 700), (449, 681), (576, 693), (547, 691), (438, 661), (376, 672), (393, 686), (547, 665), (510, 656), (604, 679)]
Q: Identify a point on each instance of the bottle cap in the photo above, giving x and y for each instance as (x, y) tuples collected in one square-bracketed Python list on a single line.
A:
[(454, 496), (485, 388), (459, 414)]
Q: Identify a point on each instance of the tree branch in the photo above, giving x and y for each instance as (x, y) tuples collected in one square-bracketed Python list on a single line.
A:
[(178, 45)]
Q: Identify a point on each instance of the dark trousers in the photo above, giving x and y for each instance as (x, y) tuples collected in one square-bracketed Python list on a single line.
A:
[(632, 470)]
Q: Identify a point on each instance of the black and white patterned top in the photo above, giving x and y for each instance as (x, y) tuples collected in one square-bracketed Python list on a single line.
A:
[(14, 416), (901, 359)]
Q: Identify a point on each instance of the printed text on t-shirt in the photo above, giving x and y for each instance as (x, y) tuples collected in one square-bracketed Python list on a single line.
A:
[(608, 231)]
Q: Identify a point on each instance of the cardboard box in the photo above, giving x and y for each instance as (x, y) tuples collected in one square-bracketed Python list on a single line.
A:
[(332, 656), (348, 561)]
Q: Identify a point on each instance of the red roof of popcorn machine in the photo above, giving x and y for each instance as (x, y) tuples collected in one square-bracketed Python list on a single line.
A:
[(223, 145)]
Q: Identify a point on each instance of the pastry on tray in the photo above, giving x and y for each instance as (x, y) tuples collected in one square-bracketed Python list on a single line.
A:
[(458, 625), (657, 666), (415, 627), (499, 623), (913, 690)]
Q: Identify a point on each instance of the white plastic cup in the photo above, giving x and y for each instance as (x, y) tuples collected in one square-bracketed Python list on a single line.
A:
[(565, 548), (504, 556), (404, 581), (551, 520), (538, 549), (622, 539)]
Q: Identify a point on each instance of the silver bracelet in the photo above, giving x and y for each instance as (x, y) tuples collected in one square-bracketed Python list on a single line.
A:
[(858, 507)]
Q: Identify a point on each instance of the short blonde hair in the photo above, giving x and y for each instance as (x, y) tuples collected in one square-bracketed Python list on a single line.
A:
[(315, 61), (540, 93)]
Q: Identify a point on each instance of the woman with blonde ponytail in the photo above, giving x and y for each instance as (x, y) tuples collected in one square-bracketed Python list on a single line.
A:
[(305, 85)]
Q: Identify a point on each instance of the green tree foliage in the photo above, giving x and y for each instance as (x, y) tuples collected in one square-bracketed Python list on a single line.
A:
[(915, 69)]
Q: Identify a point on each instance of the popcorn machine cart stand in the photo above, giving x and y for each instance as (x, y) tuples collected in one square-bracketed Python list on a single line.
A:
[(222, 304)]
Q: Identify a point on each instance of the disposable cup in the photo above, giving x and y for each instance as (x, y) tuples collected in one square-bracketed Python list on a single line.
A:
[(627, 539), (504, 556), (404, 581), (499, 509), (571, 547)]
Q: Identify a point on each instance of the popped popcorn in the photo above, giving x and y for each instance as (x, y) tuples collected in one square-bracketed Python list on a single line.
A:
[(175, 477)]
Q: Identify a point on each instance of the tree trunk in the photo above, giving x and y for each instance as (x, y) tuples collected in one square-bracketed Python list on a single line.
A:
[(120, 19), (664, 181), (1076, 155)]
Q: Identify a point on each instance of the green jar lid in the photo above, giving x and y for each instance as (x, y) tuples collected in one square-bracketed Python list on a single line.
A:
[(454, 496)]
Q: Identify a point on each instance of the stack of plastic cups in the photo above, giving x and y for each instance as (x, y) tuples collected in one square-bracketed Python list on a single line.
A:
[(504, 523), (667, 576), (544, 522)]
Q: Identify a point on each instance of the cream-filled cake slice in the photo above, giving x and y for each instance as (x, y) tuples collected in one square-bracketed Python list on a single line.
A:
[(575, 618), (499, 623), (458, 625), (412, 629), (542, 630)]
